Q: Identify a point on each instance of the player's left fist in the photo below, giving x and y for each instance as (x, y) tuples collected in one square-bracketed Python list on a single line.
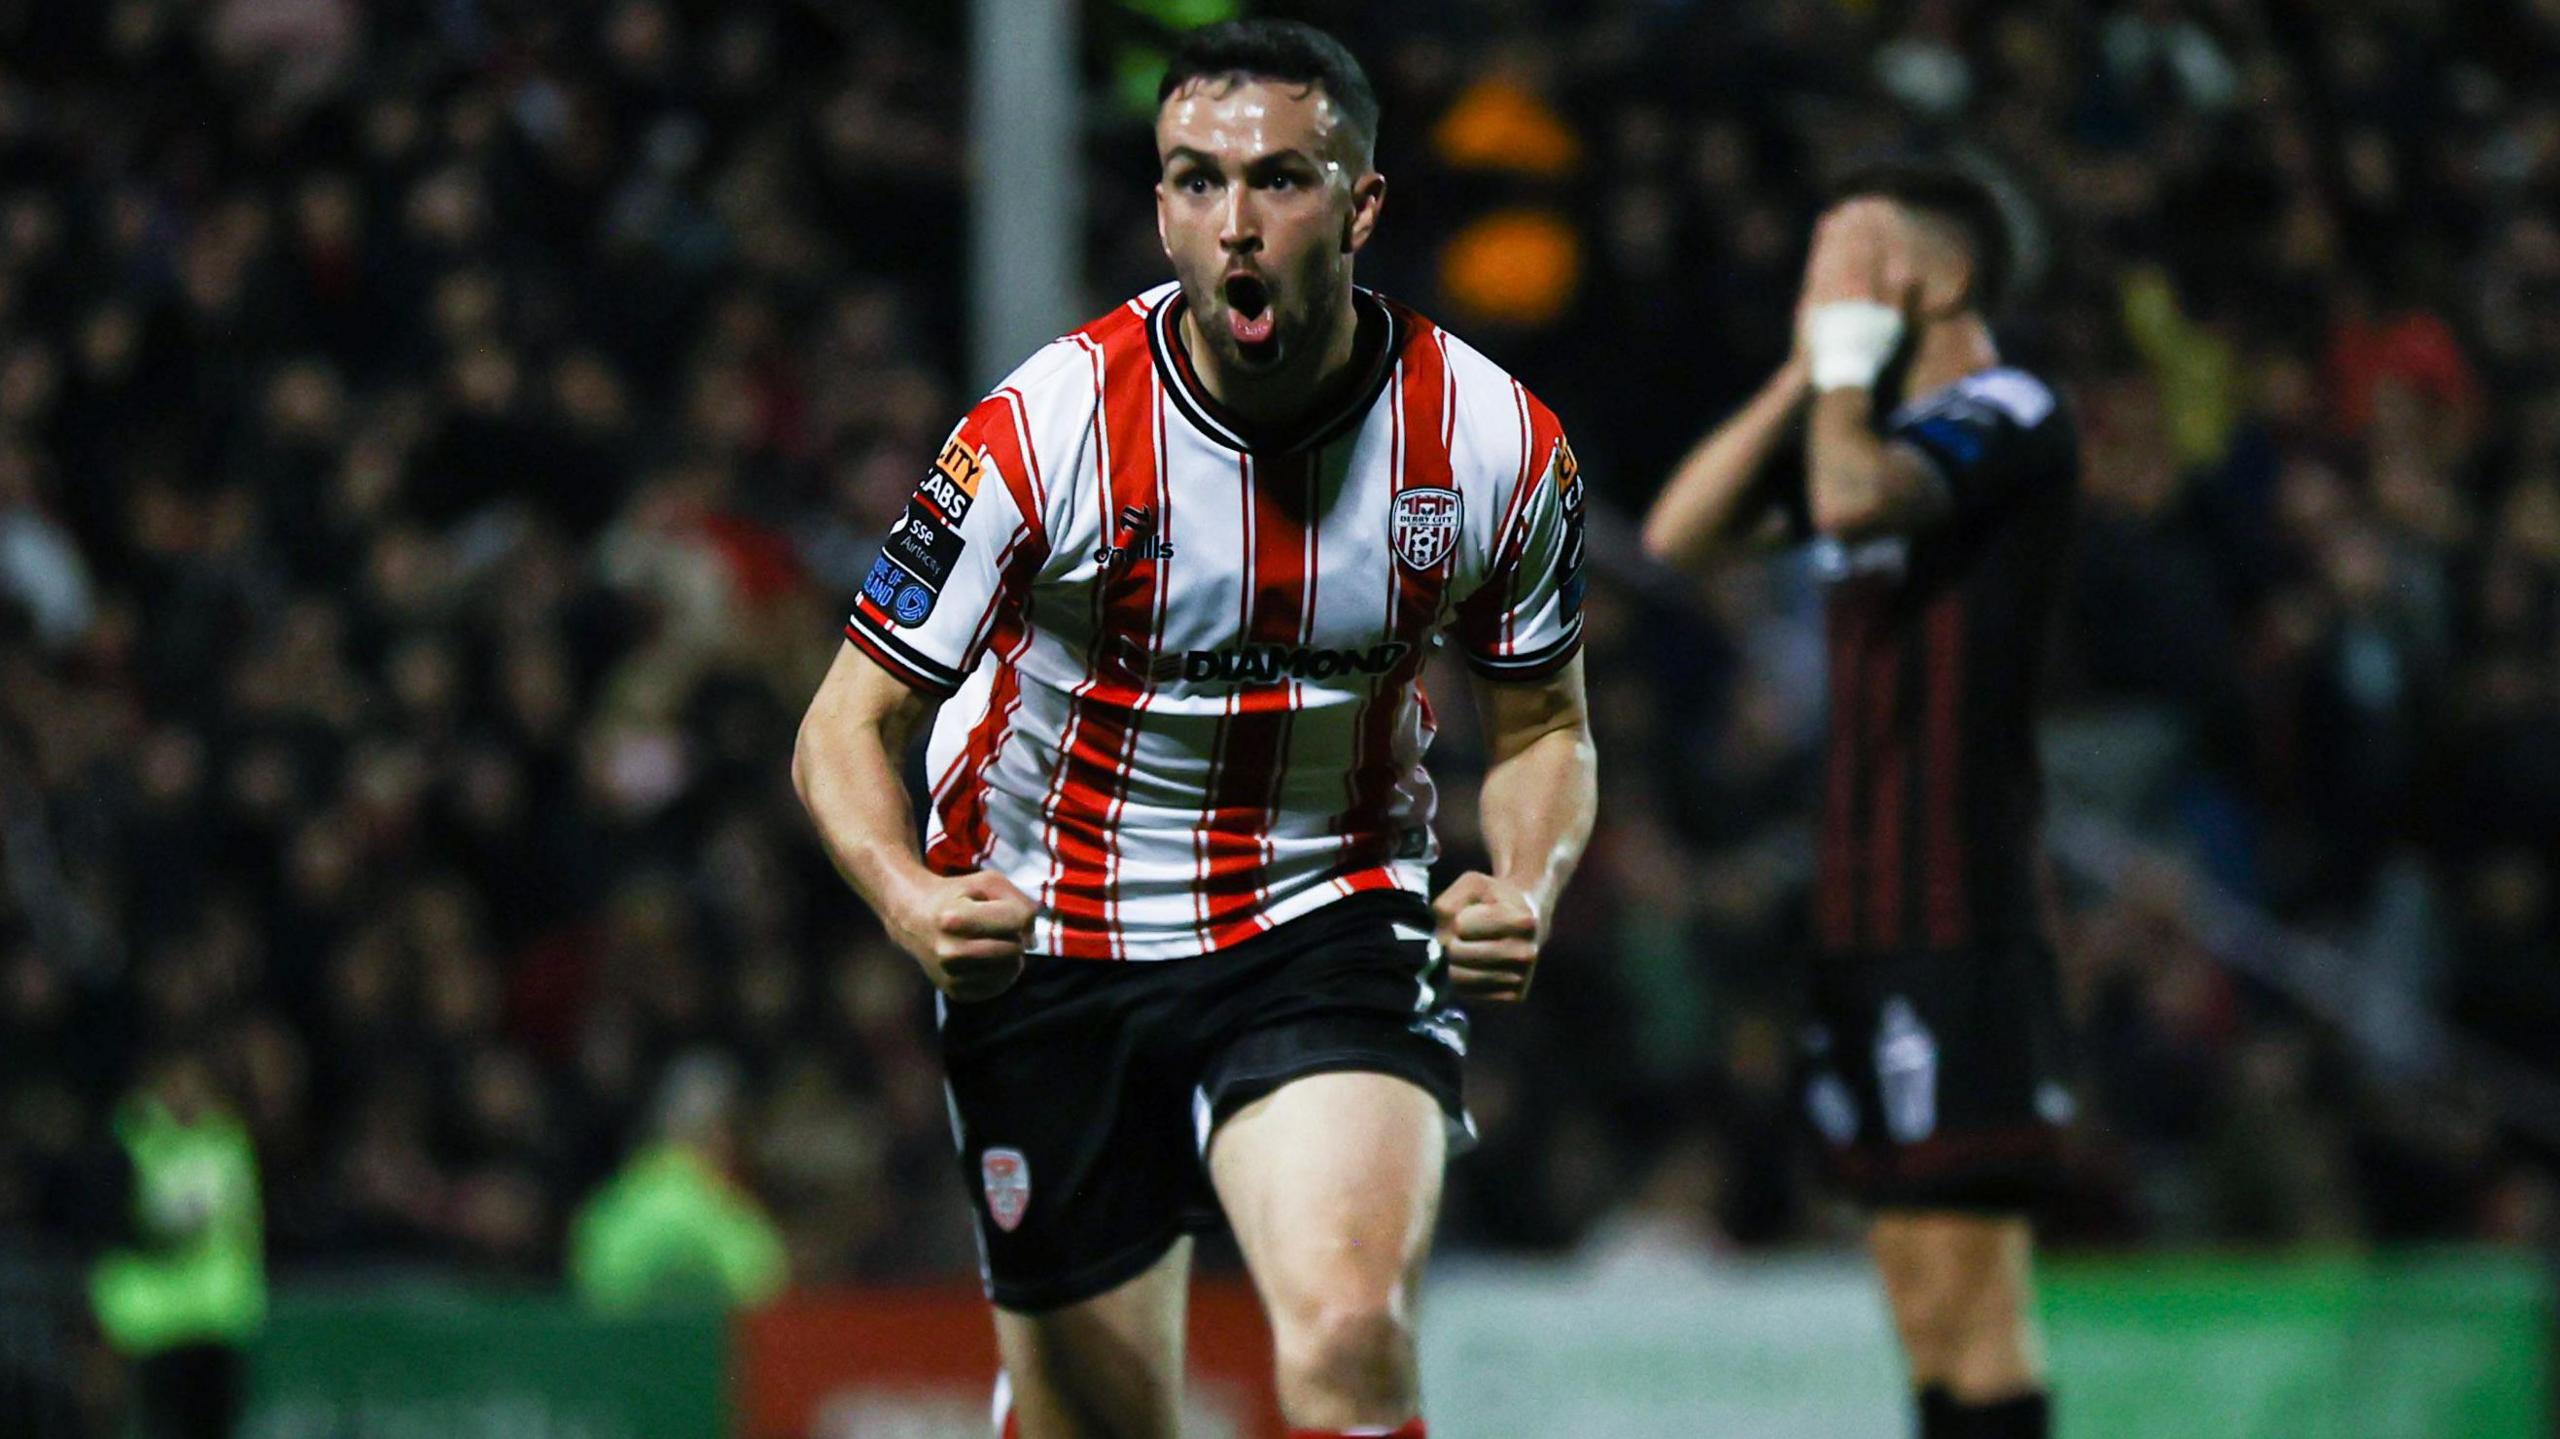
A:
[(1489, 929)]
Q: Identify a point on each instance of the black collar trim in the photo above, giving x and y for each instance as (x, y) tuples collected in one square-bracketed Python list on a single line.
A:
[(1377, 342)]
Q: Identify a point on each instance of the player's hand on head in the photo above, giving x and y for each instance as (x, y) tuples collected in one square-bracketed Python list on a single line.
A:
[(1860, 252), (968, 932), (1490, 930)]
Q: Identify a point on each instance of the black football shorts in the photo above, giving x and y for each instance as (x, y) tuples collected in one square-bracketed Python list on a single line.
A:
[(1939, 1080), (1083, 1098)]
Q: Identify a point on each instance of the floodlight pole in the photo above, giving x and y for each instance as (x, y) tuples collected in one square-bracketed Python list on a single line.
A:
[(1026, 214)]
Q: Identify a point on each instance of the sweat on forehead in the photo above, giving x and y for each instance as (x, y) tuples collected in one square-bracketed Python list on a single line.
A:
[(1331, 131)]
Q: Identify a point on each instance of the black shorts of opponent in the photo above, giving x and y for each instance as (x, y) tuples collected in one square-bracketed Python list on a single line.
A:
[(1939, 1080)]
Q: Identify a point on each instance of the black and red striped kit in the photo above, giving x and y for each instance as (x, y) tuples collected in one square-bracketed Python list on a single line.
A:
[(1932, 801), (1936, 1063)]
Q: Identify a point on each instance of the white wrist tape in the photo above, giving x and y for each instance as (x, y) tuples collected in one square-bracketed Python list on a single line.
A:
[(1847, 342)]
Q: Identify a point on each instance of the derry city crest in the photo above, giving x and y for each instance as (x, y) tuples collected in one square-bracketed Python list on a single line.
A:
[(1426, 526), (1007, 1178)]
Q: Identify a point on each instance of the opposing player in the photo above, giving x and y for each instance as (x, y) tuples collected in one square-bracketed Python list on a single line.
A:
[(1939, 485), (1172, 585)]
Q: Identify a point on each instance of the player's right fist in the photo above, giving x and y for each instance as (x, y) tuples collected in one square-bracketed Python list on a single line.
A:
[(967, 931)]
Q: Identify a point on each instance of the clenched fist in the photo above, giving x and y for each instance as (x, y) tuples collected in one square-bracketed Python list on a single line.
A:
[(968, 933), (1490, 930)]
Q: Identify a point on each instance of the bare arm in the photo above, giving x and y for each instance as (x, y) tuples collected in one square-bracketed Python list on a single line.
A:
[(966, 931), (1538, 800), (1861, 483), (1711, 513)]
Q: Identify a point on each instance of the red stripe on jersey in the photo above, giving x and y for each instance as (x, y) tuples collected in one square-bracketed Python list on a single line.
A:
[(1118, 326), (1424, 404), (1845, 619), (959, 797), (1886, 742), (1946, 887), (1486, 619), (1279, 502), (1002, 423), (1102, 721), (1071, 893)]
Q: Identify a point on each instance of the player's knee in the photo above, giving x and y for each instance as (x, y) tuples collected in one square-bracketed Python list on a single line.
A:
[(1992, 1354), (1929, 1317), (1968, 1336), (1359, 1351)]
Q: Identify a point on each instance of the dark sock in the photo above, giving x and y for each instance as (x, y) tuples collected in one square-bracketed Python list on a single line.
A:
[(2028, 1416), (1937, 1413)]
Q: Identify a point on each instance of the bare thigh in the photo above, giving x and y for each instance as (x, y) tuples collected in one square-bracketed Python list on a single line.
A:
[(1109, 1367), (1962, 1290), (1332, 1184)]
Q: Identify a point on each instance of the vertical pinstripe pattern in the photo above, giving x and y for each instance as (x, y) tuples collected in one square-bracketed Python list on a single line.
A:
[(1175, 737)]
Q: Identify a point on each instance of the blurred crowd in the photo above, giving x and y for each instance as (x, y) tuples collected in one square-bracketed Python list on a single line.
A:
[(437, 441)]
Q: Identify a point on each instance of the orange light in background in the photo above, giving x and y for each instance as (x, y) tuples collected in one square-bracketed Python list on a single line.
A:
[(1499, 125), (1513, 267)]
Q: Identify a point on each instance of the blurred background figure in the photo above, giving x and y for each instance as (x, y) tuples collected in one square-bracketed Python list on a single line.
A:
[(675, 1226), (184, 1292)]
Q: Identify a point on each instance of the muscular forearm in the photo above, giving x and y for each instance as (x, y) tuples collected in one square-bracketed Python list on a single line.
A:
[(846, 769), (1536, 809), (967, 931), (1707, 512)]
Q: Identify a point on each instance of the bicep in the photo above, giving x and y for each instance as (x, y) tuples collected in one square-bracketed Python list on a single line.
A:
[(1517, 714), (860, 694)]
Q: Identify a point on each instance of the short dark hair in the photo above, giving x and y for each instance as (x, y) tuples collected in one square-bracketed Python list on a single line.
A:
[(1287, 50), (1955, 196)]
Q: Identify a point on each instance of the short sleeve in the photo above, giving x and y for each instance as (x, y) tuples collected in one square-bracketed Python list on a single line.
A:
[(1525, 621), (1980, 436), (964, 547)]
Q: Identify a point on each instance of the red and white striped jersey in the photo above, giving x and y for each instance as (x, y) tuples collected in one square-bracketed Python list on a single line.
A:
[(1179, 659)]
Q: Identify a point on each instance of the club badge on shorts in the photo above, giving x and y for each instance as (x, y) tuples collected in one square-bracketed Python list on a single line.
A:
[(1426, 526), (1007, 1178)]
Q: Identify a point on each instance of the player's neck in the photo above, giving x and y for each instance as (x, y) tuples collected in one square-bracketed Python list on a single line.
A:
[(1947, 351), (1293, 391)]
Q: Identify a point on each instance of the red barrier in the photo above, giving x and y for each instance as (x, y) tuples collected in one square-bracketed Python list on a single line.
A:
[(913, 1363)]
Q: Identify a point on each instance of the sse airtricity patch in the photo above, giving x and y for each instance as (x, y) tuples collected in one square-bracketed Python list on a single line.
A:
[(924, 546)]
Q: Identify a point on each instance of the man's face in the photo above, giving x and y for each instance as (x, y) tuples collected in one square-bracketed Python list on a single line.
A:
[(1262, 199)]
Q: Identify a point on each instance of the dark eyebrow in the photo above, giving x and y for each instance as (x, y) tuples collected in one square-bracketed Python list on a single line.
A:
[(1185, 154)]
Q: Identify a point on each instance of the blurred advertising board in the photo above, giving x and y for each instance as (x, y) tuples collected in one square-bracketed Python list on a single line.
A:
[(1645, 1342), (2418, 1346), (438, 1364), (920, 1364), (2445, 1346), (1659, 1343)]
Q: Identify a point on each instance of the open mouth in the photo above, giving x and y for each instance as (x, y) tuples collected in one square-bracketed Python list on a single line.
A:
[(1249, 317)]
